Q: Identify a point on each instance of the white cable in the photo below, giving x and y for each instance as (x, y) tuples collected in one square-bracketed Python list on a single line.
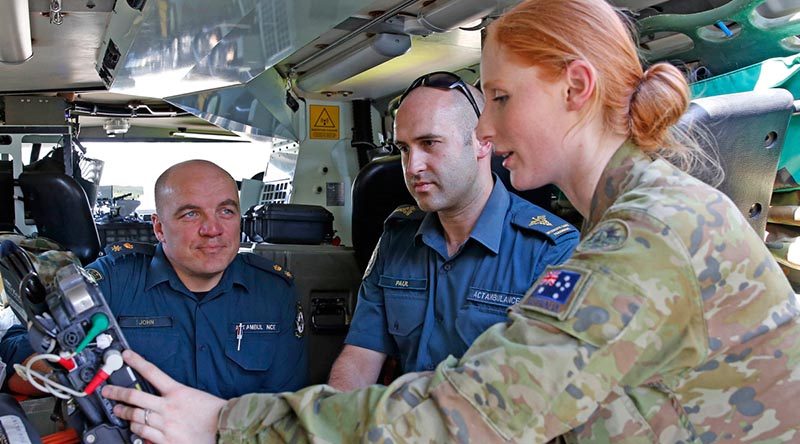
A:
[(44, 383)]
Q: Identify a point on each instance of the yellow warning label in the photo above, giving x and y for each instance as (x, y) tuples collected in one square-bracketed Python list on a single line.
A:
[(323, 122)]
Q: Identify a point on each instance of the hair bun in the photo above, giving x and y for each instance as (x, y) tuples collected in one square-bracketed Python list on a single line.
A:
[(657, 103)]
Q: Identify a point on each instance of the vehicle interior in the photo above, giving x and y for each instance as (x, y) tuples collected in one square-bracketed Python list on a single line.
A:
[(314, 81)]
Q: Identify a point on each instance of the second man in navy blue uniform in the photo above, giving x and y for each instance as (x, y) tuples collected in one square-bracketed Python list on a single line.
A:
[(211, 318), (447, 269)]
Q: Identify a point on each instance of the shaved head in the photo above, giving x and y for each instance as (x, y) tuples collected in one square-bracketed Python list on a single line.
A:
[(459, 110), (196, 166), (464, 115)]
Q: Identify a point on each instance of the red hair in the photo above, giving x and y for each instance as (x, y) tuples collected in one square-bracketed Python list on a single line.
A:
[(550, 34)]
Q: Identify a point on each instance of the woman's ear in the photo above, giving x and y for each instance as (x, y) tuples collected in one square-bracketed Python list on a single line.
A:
[(581, 78)]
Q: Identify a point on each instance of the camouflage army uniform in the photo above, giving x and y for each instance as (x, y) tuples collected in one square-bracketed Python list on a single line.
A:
[(47, 255), (677, 326)]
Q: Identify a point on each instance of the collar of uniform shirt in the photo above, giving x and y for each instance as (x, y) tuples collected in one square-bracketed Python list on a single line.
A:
[(487, 230), (160, 270), (622, 170)]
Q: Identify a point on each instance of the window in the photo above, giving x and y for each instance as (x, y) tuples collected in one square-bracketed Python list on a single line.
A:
[(140, 164)]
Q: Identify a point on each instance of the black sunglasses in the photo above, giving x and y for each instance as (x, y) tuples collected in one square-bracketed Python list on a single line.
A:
[(442, 80)]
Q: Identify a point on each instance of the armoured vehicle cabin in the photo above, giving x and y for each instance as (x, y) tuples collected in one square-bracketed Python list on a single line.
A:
[(300, 93)]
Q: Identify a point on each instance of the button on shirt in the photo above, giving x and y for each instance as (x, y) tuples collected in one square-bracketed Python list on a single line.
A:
[(196, 341), (422, 305)]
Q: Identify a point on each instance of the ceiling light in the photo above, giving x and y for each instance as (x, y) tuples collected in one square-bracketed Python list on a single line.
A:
[(116, 126), (365, 55), (207, 136), (15, 32)]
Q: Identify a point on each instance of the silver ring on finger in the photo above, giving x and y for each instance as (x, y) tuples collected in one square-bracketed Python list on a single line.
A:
[(147, 417)]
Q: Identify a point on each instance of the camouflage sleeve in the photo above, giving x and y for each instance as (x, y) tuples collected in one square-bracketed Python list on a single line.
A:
[(597, 324)]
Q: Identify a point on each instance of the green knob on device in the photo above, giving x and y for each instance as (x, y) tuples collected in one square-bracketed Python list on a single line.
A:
[(99, 325)]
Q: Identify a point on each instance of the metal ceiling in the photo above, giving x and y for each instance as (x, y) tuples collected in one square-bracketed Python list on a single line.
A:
[(227, 62)]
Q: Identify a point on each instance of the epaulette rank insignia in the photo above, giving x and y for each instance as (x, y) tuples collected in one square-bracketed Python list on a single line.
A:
[(267, 265), (540, 220), (547, 224), (117, 249), (286, 273), (406, 210)]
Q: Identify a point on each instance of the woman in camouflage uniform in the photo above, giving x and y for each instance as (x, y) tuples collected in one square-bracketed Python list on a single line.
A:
[(671, 323)]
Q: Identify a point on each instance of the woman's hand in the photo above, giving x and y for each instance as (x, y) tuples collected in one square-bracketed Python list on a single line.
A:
[(180, 415)]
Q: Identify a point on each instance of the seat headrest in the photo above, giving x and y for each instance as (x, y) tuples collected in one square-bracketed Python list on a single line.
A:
[(61, 211)]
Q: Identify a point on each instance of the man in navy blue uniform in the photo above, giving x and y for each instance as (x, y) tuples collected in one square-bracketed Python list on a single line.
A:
[(222, 322), (446, 269)]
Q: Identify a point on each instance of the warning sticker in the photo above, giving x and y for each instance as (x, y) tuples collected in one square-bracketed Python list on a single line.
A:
[(323, 122)]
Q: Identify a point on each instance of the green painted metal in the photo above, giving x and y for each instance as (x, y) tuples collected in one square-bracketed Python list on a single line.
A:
[(759, 38)]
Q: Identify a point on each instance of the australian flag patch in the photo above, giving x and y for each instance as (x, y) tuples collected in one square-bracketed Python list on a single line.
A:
[(556, 291)]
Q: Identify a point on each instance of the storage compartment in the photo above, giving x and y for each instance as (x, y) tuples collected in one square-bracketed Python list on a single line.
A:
[(289, 224), (126, 231), (326, 279)]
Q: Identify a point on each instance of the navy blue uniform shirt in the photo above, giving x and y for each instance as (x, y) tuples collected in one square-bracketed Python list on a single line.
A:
[(195, 341), (420, 304)]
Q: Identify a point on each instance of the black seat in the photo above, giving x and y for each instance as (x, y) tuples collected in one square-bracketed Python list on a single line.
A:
[(61, 210), (379, 188), (6, 196)]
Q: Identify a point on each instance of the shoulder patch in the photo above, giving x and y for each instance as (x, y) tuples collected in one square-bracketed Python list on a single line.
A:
[(557, 292), (265, 264), (96, 275), (608, 236), (124, 248), (535, 219), (299, 322), (406, 212), (372, 259)]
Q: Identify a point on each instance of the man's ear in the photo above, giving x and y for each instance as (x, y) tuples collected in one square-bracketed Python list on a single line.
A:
[(158, 229), (581, 79), (482, 148)]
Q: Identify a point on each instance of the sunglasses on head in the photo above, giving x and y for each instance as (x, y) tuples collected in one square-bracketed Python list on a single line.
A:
[(442, 80)]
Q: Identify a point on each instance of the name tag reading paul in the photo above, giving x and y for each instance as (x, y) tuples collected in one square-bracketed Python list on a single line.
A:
[(402, 283)]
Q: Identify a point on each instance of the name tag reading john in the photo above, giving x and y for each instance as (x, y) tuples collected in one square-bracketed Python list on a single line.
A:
[(144, 321)]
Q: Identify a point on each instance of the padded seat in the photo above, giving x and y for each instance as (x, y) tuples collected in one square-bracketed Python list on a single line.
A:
[(61, 210), (747, 130), (379, 188)]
